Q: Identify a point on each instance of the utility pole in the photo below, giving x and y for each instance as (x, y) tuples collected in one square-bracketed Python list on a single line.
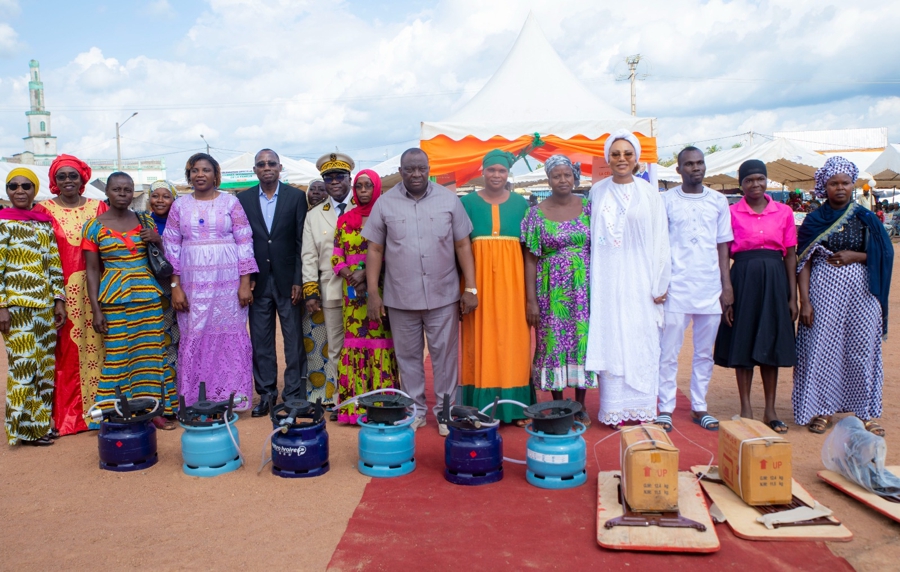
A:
[(119, 142), (633, 62), (205, 141)]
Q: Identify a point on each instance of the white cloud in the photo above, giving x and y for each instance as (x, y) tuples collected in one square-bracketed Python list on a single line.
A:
[(160, 9), (304, 76)]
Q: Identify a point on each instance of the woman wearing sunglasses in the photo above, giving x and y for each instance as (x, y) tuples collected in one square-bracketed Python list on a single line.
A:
[(32, 308), (79, 350)]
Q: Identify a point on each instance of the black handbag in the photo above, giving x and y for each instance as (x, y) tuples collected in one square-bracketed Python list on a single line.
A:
[(156, 260)]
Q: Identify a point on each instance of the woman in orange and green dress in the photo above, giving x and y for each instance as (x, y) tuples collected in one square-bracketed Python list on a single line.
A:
[(496, 339), (367, 361)]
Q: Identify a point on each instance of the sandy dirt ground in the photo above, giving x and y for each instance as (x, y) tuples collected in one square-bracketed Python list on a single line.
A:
[(59, 511)]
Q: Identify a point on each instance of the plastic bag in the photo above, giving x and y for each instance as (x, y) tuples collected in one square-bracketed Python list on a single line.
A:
[(859, 456)]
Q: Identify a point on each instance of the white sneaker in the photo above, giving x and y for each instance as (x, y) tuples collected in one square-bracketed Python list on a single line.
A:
[(443, 431), (419, 422)]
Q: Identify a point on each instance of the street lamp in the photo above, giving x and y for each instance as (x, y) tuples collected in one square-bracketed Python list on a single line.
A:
[(205, 141), (119, 142)]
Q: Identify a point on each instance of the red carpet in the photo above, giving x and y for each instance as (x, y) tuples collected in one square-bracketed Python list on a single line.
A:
[(421, 521)]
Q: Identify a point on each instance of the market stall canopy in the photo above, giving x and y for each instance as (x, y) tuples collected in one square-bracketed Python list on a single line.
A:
[(512, 112), (389, 171), (237, 172), (885, 169), (43, 174), (787, 163)]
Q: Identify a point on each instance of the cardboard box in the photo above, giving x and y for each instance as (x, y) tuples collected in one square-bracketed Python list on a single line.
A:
[(649, 469), (759, 471)]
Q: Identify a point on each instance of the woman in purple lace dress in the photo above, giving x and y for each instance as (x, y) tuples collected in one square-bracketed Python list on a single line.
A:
[(209, 243)]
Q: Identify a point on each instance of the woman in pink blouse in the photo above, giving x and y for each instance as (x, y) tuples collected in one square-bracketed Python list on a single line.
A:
[(209, 243), (758, 329)]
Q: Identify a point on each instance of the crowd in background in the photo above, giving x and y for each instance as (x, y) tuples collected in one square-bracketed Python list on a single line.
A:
[(584, 292)]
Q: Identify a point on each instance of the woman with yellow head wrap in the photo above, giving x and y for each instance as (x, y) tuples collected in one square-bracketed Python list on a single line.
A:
[(32, 302)]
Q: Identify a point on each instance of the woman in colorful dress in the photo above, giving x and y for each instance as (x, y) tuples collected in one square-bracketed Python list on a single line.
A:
[(210, 245), (125, 299), (758, 329), (162, 195), (32, 309), (496, 339), (630, 268), (844, 273), (367, 359), (315, 338), (79, 349), (557, 237)]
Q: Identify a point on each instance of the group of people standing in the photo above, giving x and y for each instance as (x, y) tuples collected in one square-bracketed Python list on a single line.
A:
[(361, 278)]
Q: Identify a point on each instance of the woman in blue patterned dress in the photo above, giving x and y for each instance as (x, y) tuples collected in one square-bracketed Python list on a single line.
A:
[(844, 275), (125, 300), (557, 237)]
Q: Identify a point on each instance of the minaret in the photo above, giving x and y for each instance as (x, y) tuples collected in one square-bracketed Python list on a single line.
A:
[(39, 142)]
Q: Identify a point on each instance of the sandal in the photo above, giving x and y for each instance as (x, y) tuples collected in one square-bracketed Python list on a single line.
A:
[(819, 424), (583, 418), (522, 422), (778, 426), (874, 428), (44, 441), (664, 420), (707, 422), (53, 434)]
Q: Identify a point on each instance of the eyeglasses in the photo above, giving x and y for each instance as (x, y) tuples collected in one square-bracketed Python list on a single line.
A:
[(360, 185), (70, 176), (337, 178), (618, 154), (15, 186), (262, 164)]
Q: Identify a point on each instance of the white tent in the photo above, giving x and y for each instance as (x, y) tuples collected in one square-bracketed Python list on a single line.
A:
[(237, 172), (786, 162), (43, 174), (513, 106), (389, 171), (885, 169)]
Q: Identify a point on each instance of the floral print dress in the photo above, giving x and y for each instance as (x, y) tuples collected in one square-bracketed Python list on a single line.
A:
[(367, 360), (563, 250)]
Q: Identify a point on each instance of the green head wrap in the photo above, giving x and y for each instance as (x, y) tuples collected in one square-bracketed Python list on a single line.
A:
[(498, 157)]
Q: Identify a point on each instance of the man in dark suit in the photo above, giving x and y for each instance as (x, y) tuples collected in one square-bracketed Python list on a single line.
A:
[(276, 212)]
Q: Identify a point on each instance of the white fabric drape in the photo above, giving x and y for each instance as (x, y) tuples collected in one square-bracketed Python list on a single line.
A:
[(630, 266)]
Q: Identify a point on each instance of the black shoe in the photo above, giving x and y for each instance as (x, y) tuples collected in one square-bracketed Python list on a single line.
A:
[(262, 409)]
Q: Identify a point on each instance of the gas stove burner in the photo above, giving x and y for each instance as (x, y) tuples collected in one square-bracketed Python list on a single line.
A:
[(553, 417), (386, 408), (463, 416), (135, 410), (204, 413), (296, 412)]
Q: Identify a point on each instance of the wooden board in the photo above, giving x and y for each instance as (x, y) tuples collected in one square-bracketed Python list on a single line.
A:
[(742, 517), (691, 503), (870, 499)]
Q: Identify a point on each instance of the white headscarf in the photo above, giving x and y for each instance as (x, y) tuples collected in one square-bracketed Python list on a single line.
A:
[(626, 135)]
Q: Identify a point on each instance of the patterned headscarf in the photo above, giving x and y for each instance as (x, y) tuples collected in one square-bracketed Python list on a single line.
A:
[(627, 136), (69, 161), (834, 166), (557, 160), (162, 184)]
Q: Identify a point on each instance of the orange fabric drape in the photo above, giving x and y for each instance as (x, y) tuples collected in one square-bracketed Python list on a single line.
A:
[(463, 158)]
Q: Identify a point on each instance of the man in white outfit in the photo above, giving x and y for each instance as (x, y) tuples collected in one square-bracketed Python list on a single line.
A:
[(700, 285)]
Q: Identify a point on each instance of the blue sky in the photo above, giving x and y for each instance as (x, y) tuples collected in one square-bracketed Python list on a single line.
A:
[(306, 76)]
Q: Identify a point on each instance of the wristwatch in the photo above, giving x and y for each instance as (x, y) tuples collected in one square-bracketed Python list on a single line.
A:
[(174, 285), (472, 291)]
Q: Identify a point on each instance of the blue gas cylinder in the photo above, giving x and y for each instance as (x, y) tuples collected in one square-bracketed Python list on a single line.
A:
[(473, 456), (210, 442), (386, 450), (556, 461), (127, 438), (208, 450), (127, 446), (300, 452)]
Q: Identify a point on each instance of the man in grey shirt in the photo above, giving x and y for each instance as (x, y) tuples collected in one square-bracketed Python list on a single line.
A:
[(421, 230)]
